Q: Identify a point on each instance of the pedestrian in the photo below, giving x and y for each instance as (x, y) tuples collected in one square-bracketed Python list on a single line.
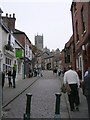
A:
[(80, 78), (9, 77), (30, 72), (71, 78), (41, 73), (59, 71), (86, 72), (14, 76), (64, 70), (86, 85), (79, 74), (3, 78)]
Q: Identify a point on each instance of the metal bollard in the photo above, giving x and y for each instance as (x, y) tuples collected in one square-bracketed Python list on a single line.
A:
[(57, 106), (28, 107)]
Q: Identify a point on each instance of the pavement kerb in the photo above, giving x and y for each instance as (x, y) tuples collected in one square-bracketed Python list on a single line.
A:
[(21, 91)]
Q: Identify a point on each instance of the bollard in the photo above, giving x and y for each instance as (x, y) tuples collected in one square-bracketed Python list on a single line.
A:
[(28, 107), (57, 106)]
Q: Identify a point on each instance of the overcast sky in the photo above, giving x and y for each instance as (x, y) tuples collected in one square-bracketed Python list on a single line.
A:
[(52, 18)]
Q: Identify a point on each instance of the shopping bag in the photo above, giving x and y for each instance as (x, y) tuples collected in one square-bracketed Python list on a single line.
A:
[(65, 88)]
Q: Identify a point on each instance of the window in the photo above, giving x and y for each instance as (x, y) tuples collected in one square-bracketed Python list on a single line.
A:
[(26, 50), (9, 39), (75, 7), (8, 63), (77, 35), (83, 19)]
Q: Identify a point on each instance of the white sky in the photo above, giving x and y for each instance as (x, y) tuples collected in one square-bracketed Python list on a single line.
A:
[(52, 18)]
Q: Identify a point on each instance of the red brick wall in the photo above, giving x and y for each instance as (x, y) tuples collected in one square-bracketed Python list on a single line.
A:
[(20, 38), (77, 17)]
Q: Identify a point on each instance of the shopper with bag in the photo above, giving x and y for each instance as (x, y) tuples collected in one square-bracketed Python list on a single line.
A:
[(86, 88), (72, 79)]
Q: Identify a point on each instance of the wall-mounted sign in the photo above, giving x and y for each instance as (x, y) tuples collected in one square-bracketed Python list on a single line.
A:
[(18, 53)]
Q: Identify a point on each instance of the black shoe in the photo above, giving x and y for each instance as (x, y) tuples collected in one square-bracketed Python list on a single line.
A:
[(77, 109), (73, 110), (10, 84)]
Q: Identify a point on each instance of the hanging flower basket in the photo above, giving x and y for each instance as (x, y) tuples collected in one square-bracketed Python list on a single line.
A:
[(9, 47)]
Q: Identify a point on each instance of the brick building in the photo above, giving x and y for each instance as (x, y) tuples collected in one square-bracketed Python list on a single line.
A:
[(69, 54), (81, 33)]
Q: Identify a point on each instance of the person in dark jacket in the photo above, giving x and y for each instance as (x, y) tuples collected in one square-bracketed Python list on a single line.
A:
[(14, 76), (86, 85), (9, 77), (3, 78)]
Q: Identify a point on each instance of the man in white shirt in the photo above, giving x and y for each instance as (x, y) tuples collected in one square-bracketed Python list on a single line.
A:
[(71, 77)]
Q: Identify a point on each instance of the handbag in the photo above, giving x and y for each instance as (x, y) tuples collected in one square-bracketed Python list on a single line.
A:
[(65, 88)]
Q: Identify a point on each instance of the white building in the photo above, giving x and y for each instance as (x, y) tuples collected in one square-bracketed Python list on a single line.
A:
[(8, 48)]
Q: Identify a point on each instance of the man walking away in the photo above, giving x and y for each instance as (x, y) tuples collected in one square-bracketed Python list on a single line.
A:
[(86, 85), (71, 78)]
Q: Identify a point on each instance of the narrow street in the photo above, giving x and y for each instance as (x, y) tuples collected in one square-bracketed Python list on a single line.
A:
[(43, 90), (43, 98)]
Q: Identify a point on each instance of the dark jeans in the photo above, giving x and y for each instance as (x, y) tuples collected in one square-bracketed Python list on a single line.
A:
[(9, 80), (73, 96), (88, 103), (14, 82)]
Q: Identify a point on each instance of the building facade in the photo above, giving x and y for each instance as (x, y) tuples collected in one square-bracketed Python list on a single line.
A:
[(81, 33), (26, 43), (17, 47)]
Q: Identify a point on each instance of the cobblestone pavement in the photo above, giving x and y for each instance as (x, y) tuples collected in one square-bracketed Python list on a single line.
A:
[(43, 100)]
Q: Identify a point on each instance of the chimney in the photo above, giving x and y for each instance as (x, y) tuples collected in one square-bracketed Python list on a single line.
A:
[(9, 21), (10, 15), (13, 15), (6, 14)]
